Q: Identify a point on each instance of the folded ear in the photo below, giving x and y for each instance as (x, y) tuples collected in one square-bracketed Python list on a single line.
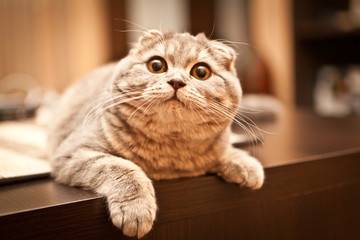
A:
[(227, 55), (201, 36), (150, 35)]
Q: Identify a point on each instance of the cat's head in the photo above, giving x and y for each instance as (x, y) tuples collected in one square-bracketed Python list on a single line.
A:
[(181, 74)]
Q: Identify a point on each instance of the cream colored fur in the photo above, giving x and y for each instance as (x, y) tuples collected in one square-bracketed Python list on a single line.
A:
[(123, 125)]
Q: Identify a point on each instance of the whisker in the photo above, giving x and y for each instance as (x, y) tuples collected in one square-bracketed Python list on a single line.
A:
[(94, 108), (196, 111), (138, 107), (249, 110), (252, 123), (150, 102), (209, 115), (213, 109), (236, 44), (247, 127), (129, 30), (132, 23), (230, 116), (212, 30), (243, 117), (102, 109), (242, 109), (109, 99)]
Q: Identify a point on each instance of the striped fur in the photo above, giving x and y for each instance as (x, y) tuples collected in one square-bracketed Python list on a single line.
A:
[(120, 126)]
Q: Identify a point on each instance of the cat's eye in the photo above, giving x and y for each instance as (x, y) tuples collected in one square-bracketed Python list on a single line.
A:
[(201, 71), (157, 65)]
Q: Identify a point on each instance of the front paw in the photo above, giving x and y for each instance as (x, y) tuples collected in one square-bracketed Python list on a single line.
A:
[(134, 216), (244, 170)]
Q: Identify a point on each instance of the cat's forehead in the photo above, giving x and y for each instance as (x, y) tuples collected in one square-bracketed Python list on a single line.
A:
[(179, 49)]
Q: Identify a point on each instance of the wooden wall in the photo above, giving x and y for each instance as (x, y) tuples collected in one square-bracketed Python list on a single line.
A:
[(272, 35), (53, 42)]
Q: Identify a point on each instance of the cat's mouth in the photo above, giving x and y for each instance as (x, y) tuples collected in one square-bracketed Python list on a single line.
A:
[(174, 98)]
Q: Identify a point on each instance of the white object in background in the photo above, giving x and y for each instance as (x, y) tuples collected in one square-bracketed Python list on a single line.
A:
[(327, 100), (352, 81)]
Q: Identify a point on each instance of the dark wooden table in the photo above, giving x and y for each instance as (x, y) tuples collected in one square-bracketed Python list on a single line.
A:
[(312, 191)]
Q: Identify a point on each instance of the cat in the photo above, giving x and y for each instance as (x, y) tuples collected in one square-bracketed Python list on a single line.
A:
[(162, 112)]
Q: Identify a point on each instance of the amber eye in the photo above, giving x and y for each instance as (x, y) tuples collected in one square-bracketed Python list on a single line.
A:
[(157, 65), (201, 71)]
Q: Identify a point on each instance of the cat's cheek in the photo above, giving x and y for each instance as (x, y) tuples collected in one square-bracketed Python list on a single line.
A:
[(191, 96), (182, 96)]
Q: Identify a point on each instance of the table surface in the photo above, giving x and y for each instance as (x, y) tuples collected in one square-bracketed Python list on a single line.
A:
[(292, 138)]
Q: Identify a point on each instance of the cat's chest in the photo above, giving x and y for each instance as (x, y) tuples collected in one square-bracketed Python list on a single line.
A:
[(165, 148), (171, 147), (161, 160)]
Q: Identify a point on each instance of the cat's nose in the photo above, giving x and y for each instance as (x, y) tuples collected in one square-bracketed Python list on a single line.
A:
[(176, 83)]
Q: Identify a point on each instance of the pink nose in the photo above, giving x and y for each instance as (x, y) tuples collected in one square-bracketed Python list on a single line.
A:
[(176, 84)]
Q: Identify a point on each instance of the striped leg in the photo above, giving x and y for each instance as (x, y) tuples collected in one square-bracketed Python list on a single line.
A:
[(129, 192)]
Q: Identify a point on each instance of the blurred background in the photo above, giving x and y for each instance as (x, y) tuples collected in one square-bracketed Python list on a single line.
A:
[(305, 53)]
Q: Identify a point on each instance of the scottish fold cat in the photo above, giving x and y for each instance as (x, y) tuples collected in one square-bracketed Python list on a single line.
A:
[(162, 112)]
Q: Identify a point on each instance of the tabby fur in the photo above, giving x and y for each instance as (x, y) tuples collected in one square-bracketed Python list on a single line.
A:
[(122, 125)]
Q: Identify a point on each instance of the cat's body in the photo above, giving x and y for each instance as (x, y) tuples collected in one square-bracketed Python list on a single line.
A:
[(160, 121)]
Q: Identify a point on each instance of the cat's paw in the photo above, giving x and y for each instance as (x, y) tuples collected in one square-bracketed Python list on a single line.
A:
[(135, 216), (244, 170)]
